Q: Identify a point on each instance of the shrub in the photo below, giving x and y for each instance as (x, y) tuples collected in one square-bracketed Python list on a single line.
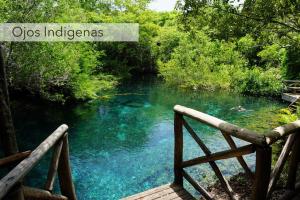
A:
[(258, 82), (57, 71), (197, 62), (286, 116)]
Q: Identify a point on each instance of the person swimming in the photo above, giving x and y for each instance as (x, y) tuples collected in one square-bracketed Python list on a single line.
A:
[(239, 109)]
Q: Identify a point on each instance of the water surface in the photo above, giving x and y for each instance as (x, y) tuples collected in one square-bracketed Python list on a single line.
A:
[(124, 145)]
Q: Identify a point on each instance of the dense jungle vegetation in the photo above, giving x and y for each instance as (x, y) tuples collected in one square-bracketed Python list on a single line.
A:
[(202, 45)]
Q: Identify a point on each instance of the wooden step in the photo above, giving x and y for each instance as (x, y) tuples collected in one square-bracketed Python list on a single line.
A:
[(166, 192), (294, 88)]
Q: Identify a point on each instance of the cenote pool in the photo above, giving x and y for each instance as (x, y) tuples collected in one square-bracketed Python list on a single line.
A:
[(124, 145)]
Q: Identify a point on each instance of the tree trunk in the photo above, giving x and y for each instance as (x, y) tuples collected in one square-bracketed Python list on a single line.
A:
[(7, 131)]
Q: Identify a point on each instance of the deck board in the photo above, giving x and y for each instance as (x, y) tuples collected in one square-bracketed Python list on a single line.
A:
[(165, 192), (290, 97)]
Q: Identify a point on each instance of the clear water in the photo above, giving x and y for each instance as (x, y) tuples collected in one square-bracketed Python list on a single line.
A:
[(124, 145)]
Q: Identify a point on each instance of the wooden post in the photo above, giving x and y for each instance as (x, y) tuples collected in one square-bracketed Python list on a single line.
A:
[(275, 175), (178, 149), (64, 172), (262, 172), (293, 166), (53, 166)]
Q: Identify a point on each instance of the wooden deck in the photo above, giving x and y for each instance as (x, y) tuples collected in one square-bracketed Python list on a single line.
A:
[(166, 192), (292, 91), (290, 97)]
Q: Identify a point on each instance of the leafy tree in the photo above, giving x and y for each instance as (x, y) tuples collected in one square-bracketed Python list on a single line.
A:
[(55, 71), (197, 62)]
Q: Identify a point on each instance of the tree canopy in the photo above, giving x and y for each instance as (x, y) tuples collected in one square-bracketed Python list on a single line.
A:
[(204, 44)]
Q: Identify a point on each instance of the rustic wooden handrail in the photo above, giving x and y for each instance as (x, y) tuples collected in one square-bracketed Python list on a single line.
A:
[(233, 130), (241, 133), (264, 180), (282, 132), (59, 139)]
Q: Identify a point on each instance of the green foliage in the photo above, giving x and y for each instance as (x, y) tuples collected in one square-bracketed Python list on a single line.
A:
[(273, 55), (285, 116), (167, 39), (208, 45), (197, 62), (123, 59), (262, 41), (256, 81), (57, 71), (271, 23)]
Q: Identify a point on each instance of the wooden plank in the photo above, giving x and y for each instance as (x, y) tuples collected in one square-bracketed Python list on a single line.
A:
[(53, 166), (235, 131), (197, 186), (186, 196), (7, 182), (294, 88), (64, 171), (9, 160), (178, 148), (180, 194), (280, 164), (165, 193), (213, 165), (169, 191), (290, 97), (262, 172), (291, 81), (248, 149), (240, 159), (149, 192)]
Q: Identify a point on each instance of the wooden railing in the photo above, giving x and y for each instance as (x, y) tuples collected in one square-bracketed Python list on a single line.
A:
[(292, 86), (264, 179), (59, 163)]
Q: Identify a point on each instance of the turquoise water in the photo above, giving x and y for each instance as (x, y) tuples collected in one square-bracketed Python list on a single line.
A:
[(124, 145)]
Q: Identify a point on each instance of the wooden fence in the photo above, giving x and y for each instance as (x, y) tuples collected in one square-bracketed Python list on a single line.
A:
[(59, 164), (264, 178)]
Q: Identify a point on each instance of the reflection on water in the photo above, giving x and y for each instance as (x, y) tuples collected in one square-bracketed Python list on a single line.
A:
[(125, 145)]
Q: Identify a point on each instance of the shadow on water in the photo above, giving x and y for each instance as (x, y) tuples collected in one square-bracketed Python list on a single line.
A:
[(124, 144)]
